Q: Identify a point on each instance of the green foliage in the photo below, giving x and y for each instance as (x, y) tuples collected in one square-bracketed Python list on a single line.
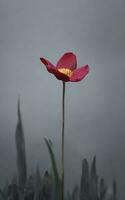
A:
[(48, 187), (2, 196), (55, 175), (20, 147)]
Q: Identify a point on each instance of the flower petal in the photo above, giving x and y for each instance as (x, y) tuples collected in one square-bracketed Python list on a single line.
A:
[(68, 60), (61, 76), (79, 74), (52, 69)]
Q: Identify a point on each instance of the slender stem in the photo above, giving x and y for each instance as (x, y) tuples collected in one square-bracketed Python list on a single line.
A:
[(62, 156)]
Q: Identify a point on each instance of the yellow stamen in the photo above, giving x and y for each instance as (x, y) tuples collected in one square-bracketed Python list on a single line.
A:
[(66, 71)]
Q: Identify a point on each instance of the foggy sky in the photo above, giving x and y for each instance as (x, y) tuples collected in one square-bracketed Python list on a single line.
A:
[(95, 107)]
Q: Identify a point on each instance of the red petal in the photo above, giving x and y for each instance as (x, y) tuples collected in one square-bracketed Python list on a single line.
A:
[(61, 76), (52, 69), (68, 60), (79, 74)]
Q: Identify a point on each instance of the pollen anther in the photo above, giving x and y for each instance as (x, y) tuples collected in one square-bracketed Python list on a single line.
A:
[(66, 71)]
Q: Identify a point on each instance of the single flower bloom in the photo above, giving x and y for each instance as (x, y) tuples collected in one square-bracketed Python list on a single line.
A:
[(66, 68)]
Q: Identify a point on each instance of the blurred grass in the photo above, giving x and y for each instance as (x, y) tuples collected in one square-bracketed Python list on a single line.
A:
[(47, 187)]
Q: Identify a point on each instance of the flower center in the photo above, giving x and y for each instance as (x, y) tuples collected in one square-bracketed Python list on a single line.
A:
[(66, 71)]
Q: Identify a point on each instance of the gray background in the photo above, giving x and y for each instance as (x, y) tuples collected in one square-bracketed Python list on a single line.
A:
[(95, 107)]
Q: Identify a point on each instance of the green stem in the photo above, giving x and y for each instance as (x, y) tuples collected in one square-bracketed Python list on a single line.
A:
[(62, 156)]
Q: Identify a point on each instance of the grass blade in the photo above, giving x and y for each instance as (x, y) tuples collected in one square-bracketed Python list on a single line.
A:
[(56, 178)]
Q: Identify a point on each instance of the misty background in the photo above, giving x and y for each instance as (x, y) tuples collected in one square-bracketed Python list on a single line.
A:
[(95, 107)]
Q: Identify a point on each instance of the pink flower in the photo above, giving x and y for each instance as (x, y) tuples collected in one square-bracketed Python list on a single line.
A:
[(66, 68)]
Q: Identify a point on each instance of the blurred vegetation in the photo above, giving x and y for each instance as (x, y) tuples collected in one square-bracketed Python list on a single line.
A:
[(47, 187)]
